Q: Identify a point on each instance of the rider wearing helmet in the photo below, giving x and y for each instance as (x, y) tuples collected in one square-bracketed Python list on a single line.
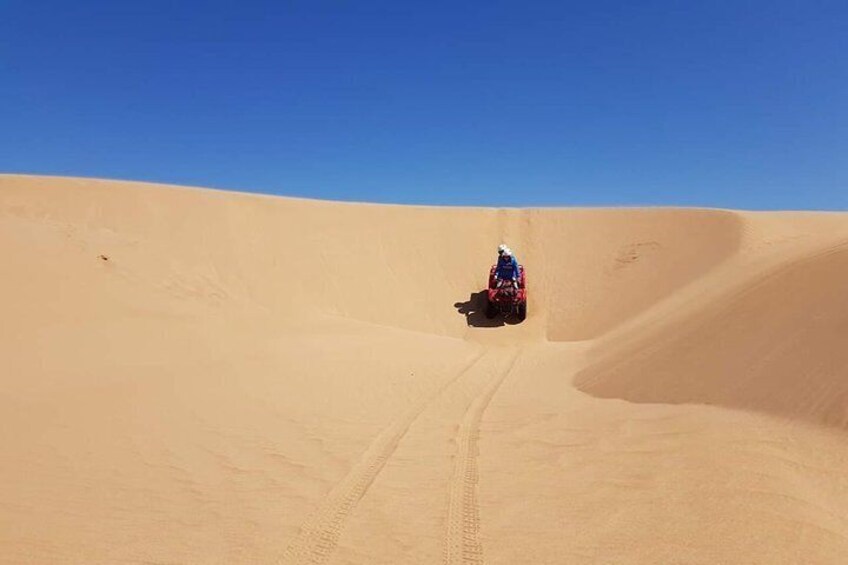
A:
[(507, 269)]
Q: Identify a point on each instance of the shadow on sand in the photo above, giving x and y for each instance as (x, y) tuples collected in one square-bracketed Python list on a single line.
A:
[(474, 310)]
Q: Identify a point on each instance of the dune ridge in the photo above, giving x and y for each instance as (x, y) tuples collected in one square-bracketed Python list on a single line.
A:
[(209, 376)]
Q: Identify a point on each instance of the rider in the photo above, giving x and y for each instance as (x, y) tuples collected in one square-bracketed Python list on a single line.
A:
[(507, 269)]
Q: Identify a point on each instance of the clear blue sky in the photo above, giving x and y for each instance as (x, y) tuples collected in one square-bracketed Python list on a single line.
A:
[(717, 103)]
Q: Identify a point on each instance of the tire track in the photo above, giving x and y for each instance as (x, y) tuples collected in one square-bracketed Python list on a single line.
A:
[(320, 534), (462, 543)]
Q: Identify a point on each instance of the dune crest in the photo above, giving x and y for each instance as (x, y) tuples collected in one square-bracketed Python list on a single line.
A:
[(208, 376)]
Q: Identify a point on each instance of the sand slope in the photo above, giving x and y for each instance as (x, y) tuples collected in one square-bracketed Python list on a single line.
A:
[(214, 377)]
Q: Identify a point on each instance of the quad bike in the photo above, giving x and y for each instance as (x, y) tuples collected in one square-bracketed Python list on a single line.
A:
[(507, 297)]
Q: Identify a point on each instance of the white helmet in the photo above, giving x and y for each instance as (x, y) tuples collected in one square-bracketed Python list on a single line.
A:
[(502, 248)]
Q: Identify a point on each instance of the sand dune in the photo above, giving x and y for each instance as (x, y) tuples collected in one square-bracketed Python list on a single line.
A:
[(196, 376)]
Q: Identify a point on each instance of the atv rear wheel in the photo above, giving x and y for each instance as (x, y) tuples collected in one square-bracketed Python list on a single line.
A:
[(522, 311), (491, 310)]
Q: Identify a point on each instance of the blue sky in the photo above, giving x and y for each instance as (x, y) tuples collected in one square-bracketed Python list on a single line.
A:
[(720, 103)]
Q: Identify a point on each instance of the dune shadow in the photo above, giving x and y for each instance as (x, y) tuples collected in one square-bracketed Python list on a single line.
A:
[(474, 310), (775, 346)]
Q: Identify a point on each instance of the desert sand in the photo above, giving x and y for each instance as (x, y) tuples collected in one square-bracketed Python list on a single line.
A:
[(201, 376)]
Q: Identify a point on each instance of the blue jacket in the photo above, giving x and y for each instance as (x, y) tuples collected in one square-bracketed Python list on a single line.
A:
[(507, 269)]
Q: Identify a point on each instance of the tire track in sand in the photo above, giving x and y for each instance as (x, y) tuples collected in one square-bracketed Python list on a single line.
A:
[(462, 543), (320, 534)]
